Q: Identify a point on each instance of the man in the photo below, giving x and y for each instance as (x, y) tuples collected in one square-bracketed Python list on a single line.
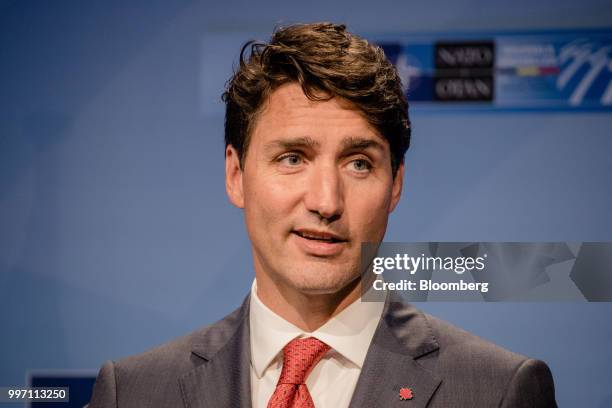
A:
[(316, 131)]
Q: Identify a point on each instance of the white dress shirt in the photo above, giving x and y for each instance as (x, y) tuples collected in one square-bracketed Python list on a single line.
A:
[(332, 381)]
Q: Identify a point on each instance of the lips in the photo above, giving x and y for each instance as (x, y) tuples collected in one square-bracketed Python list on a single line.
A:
[(319, 243), (323, 236)]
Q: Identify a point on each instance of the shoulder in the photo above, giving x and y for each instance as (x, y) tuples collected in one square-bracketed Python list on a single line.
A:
[(149, 377), (174, 355), (471, 371), (152, 378), (469, 363), (463, 347), (181, 353)]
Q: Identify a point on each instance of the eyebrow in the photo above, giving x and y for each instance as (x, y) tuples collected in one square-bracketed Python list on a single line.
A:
[(360, 143), (303, 142), (293, 143)]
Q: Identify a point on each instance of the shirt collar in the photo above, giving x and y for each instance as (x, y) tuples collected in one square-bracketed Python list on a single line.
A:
[(349, 333)]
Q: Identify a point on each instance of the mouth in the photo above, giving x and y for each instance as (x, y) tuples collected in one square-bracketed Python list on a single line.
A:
[(321, 236), (320, 243)]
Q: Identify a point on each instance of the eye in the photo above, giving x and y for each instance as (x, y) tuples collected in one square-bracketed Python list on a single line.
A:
[(361, 165), (291, 159)]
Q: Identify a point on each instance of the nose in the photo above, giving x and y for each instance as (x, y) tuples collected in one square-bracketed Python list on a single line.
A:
[(324, 193)]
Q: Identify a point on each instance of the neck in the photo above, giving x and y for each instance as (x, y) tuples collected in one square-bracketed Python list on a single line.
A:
[(305, 310)]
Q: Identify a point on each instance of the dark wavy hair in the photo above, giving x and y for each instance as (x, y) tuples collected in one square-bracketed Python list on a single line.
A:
[(327, 61)]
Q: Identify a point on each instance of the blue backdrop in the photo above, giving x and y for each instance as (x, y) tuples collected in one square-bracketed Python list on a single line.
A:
[(115, 231)]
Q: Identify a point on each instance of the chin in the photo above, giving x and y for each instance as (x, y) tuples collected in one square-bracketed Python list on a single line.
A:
[(323, 280)]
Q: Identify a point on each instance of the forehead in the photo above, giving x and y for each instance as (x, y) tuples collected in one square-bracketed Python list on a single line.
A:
[(289, 113)]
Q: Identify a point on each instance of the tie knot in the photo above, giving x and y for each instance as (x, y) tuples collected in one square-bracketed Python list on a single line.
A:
[(299, 358)]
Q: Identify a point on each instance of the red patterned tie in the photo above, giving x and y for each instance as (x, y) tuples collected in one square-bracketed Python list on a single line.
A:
[(299, 358)]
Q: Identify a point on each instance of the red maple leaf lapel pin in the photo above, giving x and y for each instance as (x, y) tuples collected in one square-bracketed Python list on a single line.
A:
[(405, 393)]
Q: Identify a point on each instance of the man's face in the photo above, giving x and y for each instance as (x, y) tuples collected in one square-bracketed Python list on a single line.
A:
[(316, 183)]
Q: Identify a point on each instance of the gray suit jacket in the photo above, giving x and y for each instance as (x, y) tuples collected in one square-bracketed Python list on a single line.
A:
[(443, 365)]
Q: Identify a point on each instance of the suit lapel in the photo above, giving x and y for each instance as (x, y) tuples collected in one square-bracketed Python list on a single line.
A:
[(223, 378), (402, 337)]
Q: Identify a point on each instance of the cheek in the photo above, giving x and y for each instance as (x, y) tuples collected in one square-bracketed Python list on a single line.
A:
[(268, 201), (369, 211)]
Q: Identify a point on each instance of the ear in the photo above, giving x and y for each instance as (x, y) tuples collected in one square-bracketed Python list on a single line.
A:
[(233, 177), (396, 189)]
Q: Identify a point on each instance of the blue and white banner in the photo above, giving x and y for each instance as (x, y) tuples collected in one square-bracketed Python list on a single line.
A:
[(563, 70)]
